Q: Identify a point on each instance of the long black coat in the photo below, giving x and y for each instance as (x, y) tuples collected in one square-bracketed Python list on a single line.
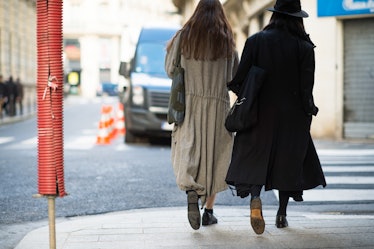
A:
[(278, 151)]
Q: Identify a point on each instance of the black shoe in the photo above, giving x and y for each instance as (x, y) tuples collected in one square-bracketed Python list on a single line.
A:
[(296, 195), (193, 209), (209, 219), (297, 198), (281, 221)]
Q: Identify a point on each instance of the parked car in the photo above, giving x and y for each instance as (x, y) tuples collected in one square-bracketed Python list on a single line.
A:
[(147, 96)]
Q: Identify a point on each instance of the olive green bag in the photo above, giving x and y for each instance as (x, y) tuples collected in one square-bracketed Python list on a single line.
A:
[(177, 98)]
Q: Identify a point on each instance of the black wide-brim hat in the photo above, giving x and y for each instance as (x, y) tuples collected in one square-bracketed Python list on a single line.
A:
[(289, 7)]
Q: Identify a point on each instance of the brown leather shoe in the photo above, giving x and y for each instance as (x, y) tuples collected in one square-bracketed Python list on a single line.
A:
[(257, 221)]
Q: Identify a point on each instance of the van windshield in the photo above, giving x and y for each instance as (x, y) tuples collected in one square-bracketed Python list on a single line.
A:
[(150, 58)]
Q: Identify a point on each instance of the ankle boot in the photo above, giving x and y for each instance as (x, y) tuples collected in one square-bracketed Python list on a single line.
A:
[(208, 218)]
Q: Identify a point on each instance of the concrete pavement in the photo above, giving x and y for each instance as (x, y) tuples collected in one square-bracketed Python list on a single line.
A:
[(10, 120), (169, 228)]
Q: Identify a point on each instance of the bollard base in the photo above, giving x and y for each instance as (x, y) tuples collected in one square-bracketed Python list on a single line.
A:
[(51, 218)]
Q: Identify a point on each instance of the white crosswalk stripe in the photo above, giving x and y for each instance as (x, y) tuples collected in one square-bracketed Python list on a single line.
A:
[(348, 169), (4, 140), (81, 143), (350, 180), (345, 152), (86, 141), (30, 143), (322, 195)]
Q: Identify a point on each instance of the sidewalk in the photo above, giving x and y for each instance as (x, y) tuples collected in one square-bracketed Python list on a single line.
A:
[(169, 228), (9, 120), (29, 112)]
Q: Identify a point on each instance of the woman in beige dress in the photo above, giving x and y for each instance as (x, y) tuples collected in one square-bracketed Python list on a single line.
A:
[(201, 146)]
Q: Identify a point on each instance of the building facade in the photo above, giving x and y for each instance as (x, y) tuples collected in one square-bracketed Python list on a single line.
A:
[(18, 45), (343, 31), (18, 39)]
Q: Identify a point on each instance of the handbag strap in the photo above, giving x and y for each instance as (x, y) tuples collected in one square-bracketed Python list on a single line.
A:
[(178, 59)]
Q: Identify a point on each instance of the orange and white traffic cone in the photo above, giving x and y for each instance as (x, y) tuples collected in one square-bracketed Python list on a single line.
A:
[(120, 121), (112, 130), (104, 136)]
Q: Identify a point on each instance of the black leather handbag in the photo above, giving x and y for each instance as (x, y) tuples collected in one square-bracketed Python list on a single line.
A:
[(177, 100), (244, 112)]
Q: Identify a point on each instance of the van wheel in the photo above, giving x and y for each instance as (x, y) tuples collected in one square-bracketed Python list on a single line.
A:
[(130, 138)]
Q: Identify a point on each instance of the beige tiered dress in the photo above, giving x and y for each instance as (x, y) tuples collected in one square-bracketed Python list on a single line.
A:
[(201, 145)]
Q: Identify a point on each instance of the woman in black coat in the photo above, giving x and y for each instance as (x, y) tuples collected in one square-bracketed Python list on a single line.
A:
[(278, 152)]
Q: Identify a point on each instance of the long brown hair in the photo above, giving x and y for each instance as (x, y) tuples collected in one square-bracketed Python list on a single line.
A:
[(207, 35)]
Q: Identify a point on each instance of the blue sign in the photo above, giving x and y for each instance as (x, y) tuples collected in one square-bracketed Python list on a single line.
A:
[(345, 7)]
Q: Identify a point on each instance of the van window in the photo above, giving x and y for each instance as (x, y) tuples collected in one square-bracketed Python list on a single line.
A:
[(150, 58)]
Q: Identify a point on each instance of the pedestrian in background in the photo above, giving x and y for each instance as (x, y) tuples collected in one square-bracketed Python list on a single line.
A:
[(201, 146), (19, 99), (3, 96), (12, 97), (278, 152)]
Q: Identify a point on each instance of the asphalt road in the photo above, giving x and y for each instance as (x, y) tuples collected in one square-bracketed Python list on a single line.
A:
[(98, 178)]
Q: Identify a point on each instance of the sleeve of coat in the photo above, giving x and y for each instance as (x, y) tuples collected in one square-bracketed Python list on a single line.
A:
[(246, 61), (307, 70), (170, 57)]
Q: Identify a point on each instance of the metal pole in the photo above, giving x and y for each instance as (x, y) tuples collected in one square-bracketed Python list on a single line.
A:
[(52, 224)]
